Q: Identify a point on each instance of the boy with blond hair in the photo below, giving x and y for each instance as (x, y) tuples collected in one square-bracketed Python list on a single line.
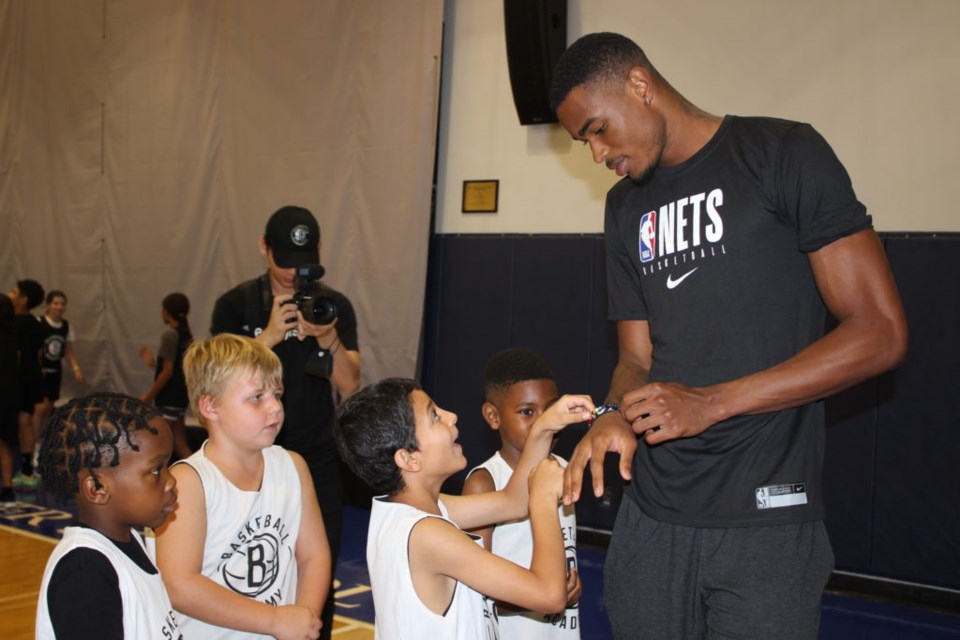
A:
[(246, 555)]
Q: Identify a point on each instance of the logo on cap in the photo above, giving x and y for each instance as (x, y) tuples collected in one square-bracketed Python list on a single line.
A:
[(299, 235)]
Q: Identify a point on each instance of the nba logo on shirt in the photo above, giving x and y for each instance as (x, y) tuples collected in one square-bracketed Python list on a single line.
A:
[(648, 236)]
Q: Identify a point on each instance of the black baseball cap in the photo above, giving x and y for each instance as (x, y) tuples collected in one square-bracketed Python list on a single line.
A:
[(293, 237)]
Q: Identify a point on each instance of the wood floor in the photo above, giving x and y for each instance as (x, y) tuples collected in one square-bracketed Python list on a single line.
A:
[(22, 559), (23, 556)]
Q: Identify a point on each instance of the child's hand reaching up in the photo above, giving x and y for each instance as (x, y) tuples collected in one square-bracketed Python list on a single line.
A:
[(546, 482), (569, 409), (512, 501)]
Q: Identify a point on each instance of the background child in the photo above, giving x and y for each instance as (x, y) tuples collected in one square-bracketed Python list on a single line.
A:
[(57, 346), (169, 391), (25, 296), (9, 399), (110, 452), (393, 437), (518, 388), (246, 553)]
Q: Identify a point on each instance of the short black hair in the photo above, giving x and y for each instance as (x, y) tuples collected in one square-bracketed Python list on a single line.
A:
[(55, 293), (371, 426), (88, 433), (33, 290), (510, 366), (594, 58)]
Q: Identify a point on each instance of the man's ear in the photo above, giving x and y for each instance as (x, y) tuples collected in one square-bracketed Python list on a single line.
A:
[(491, 415), (640, 84), (407, 460), (92, 489), (262, 243)]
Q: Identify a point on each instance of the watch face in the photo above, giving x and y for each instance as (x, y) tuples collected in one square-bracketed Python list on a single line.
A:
[(606, 407)]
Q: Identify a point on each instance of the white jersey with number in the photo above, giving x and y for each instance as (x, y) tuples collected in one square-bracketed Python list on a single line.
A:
[(400, 614), (251, 536), (147, 612), (514, 541)]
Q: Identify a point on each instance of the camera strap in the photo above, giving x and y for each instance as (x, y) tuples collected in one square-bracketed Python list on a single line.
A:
[(257, 303)]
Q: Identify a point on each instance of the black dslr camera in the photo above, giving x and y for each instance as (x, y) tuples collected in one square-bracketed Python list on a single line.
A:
[(312, 299)]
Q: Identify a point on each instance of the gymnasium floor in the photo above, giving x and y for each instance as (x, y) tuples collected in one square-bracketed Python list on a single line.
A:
[(29, 530)]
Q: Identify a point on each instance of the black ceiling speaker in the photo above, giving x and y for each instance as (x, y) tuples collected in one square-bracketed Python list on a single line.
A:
[(536, 33)]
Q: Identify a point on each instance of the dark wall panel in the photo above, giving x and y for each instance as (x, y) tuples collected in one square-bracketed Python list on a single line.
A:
[(486, 293), (560, 303), (916, 525), (551, 303), (470, 295), (848, 472)]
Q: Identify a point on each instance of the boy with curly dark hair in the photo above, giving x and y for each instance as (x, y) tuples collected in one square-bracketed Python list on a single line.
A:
[(110, 453)]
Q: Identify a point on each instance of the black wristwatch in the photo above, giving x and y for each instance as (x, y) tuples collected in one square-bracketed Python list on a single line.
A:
[(601, 409)]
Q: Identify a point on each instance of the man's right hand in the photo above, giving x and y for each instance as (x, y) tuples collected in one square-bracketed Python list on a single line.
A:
[(609, 433), (283, 317)]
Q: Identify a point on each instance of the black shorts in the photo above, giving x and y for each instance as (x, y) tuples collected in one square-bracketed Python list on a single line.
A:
[(51, 384), (31, 390), (9, 424)]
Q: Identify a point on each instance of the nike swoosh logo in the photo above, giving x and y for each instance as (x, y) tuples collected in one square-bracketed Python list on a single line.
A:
[(673, 284)]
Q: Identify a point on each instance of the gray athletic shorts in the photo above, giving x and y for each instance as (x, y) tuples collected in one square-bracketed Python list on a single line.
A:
[(664, 581)]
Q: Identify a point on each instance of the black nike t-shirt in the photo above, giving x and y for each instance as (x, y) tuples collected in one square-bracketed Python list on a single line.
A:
[(713, 254)]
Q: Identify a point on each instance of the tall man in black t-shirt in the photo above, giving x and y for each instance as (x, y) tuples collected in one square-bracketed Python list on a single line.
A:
[(318, 360), (727, 242)]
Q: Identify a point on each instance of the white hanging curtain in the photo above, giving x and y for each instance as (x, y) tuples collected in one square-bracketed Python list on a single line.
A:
[(144, 144)]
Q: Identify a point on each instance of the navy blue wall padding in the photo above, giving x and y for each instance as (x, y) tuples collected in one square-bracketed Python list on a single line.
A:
[(486, 293), (848, 472), (916, 522), (892, 469)]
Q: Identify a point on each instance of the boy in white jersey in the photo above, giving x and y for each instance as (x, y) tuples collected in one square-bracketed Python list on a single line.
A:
[(518, 387), (246, 555), (110, 453), (429, 578)]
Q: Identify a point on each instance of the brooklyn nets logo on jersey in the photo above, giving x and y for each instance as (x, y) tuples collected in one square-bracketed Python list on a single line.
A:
[(252, 567)]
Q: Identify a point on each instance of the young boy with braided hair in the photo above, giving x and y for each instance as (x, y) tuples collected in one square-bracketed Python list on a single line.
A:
[(110, 453), (246, 555), (430, 579), (519, 387)]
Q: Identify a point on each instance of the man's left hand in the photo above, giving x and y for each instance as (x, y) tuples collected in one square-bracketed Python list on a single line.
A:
[(326, 334), (662, 411)]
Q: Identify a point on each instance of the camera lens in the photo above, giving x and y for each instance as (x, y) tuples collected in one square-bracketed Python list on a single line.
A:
[(319, 310)]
